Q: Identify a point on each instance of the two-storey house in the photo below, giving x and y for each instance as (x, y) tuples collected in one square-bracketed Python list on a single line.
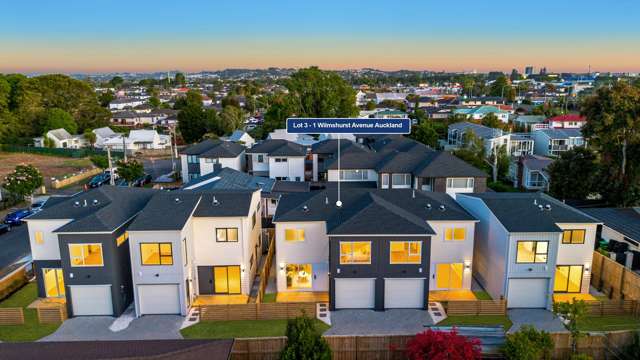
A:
[(553, 142), (200, 159), (277, 159)]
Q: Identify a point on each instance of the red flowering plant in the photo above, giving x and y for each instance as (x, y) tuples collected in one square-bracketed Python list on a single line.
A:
[(442, 345)]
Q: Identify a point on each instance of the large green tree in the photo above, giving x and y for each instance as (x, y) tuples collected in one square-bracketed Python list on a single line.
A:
[(23, 181), (317, 93), (192, 123), (573, 175), (231, 118), (55, 118), (130, 170), (502, 87), (425, 133)]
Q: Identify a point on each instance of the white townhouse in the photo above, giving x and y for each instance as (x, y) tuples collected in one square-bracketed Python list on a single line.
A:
[(530, 247), (187, 244), (125, 102), (277, 159), (553, 142), (202, 158), (139, 140)]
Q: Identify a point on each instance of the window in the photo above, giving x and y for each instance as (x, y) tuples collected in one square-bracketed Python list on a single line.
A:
[(455, 234), (53, 282), (573, 236), (192, 159), (385, 181), (532, 252), (185, 257), (460, 183), (400, 180), (299, 276), (227, 234), (449, 276), (260, 158), (427, 184), (193, 176), (281, 178), (568, 278), (355, 252), (281, 159), (354, 175), (405, 252), (156, 254), (226, 279), (85, 254), (39, 237), (211, 160), (294, 234), (122, 238)]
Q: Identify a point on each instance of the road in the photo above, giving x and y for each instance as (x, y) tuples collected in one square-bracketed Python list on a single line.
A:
[(14, 245)]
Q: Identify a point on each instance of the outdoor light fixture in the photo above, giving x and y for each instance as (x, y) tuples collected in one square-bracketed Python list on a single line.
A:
[(467, 265), (281, 266)]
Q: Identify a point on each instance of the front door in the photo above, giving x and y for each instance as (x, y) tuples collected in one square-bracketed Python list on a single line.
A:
[(226, 279), (449, 276), (568, 279), (53, 282)]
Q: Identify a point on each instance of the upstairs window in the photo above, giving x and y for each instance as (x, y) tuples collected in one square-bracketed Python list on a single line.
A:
[(39, 237), (530, 252), (405, 252), (294, 235), (260, 158), (355, 252), (86, 255), (354, 175), (227, 234), (575, 236), (455, 234), (211, 160), (156, 254), (192, 159), (400, 180), (460, 183)]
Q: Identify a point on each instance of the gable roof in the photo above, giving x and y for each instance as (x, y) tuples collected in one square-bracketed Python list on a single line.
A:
[(238, 134), (60, 134), (230, 179), (215, 149), (626, 221), (278, 147), (567, 118), (330, 146), (104, 132), (561, 133), (481, 131)]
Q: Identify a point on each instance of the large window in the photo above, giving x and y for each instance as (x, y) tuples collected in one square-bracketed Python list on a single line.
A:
[(405, 252), (53, 282), (385, 181), (86, 254), (459, 183), (449, 276), (299, 276), (211, 160), (353, 175), (227, 234), (226, 279), (568, 278), (573, 236), (156, 254), (532, 252), (260, 158), (355, 252), (400, 180), (455, 234), (192, 159), (294, 235)]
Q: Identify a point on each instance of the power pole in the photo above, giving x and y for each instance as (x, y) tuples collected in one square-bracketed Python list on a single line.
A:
[(112, 180), (173, 161), (124, 148)]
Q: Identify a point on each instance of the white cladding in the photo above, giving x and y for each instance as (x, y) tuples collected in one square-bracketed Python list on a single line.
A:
[(452, 251), (292, 169), (49, 248)]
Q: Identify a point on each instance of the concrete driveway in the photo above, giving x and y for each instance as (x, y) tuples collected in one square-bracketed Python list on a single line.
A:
[(541, 319), (369, 322), (148, 327)]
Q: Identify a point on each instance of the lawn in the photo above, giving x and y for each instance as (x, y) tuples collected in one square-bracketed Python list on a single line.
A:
[(609, 323), (31, 330), (269, 298), (482, 295), (240, 329), (480, 320)]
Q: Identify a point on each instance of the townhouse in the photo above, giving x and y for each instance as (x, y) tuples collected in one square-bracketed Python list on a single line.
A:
[(530, 247), (200, 159), (375, 249), (80, 249), (620, 230), (277, 159), (553, 142), (324, 152), (516, 144)]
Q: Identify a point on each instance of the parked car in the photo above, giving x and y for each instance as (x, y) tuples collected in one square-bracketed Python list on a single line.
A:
[(122, 183), (143, 180), (15, 218), (99, 180), (37, 206), (4, 228)]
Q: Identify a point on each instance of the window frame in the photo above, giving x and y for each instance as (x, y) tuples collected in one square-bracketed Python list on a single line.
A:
[(568, 279), (260, 158), (297, 232), (571, 231), (82, 245), (453, 234), (226, 229), (352, 243), (384, 181), (38, 237), (535, 252), (469, 181), (160, 256), (122, 238), (419, 242)]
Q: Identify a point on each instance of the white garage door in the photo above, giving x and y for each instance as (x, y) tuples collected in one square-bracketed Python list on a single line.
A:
[(355, 293), (404, 293), (159, 299), (91, 300), (527, 293)]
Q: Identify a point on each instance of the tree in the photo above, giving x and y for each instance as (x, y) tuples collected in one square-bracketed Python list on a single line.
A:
[(250, 104), (105, 98), (473, 150), (528, 344), (502, 87), (443, 345), (277, 114), (573, 312), (231, 118), (492, 121), (90, 136), (192, 98), (230, 101), (574, 174), (499, 162), (116, 82), (370, 105), (192, 123), (23, 181), (130, 170), (154, 101), (304, 342), (100, 161), (57, 118), (317, 93), (180, 79), (425, 133)]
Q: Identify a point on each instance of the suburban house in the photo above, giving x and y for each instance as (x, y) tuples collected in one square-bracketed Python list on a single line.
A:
[(200, 159), (125, 102), (482, 100), (242, 137), (516, 144), (80, 249), (139, 140), (391, 96), (103, 134), (553, 142), (60, 138), (620, 229), (531, 248), (282, 134), (376, 249), (567, 121), (186, 246), (477, 113), (277, 159), (324, 152), (529, 122), (531, 173)]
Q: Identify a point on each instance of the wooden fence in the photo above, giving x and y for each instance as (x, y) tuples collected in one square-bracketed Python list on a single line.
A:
[(11, 316), (476, 307), (266, 269), (256, 311), (60, 183), (614, 279), (53, 314), (614, 307)]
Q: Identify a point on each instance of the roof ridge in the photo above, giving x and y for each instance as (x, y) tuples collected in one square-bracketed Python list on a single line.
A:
[(399, 211)]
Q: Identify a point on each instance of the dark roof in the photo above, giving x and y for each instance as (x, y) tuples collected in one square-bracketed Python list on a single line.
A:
[(626, 221), (230, 179), (215, 149), (520, 212), (404, 211), (444, 164), (97, 210), (330, 146), (166, 211), (364, 160), (128, 349), (282, 186), (224, 204), (278, 147), (397, 143)]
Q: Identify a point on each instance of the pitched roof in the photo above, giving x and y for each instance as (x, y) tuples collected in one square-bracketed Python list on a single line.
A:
[(330, 146), (536, 162), (60, 134), (230, 179), (561, 133), (278, 147), (567, 118), (521, 212), (237, 135), (224, 204), (481, 131), (104, 132), (214, 149), (626, 221)]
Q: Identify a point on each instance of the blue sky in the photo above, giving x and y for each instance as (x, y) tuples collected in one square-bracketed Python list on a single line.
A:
[(141, 35)]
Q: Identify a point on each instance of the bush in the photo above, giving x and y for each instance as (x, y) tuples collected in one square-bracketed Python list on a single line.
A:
[(304, 341), (438, 345), (528, 344), (100, 161), (632, 351)]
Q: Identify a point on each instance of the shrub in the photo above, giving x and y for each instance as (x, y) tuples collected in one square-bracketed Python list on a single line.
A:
[(304, 342), (528, 344), (100, 161), (440, 345)]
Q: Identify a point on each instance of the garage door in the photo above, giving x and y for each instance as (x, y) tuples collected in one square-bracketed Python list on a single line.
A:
[(159, 299), (528, 293), (91, 300), (404, 293), (355, 293)]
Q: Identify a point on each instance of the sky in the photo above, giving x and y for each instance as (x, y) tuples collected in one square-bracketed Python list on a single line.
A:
[(93, 36)]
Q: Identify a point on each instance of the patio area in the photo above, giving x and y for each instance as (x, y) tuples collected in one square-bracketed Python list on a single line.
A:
[(302, 296), (451, 295), (220, 300), (564, 297)]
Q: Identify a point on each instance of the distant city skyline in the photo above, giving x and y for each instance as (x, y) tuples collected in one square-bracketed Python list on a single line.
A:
[(197, 35)]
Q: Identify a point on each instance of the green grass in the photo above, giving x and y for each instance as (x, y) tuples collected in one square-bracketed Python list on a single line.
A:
[(31, 330), (77, 163), (269, 298), (482, 295), (609, 323), (481, 320), (241, 329)]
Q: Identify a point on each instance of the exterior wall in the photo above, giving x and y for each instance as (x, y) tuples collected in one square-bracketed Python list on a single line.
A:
[(380, 267), (259, 166), (313, 250), (480, 185), (49, 250), (333, 175), (541, 142), (236, 163), (292, 168), (579, 254), (38, 265), (184, 168), (448, 252), (609, 234)]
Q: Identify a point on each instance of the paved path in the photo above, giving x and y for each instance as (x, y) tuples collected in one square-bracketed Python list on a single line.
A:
[(91, 328), (369, 322), (541, 319)]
